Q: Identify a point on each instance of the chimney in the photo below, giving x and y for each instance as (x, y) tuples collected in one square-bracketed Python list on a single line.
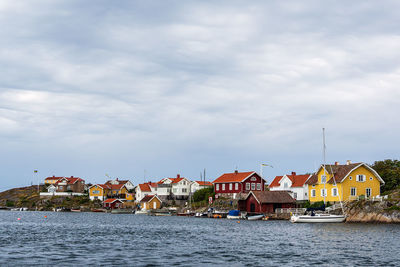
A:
[(236, 172), (293, 173), (336, 163), (117, 179), (72, 176), (178, 176), (348, 162)]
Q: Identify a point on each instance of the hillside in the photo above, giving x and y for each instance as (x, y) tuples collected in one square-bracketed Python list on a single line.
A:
[(20, 197)]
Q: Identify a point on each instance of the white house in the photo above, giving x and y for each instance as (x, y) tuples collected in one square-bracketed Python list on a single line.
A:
[(145, 189), (174, 188), (197, 185), (294, 184)]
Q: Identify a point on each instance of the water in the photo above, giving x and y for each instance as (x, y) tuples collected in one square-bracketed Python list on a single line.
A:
[(125, 239)]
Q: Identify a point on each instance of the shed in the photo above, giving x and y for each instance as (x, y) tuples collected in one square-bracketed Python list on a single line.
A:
[(266, 201)]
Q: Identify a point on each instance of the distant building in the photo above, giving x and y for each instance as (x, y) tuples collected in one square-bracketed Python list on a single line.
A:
[(293, 183), (64, 186), (127, 183), (173, 188), (145, 189), (197, 185), (266, 201), (150, 202)]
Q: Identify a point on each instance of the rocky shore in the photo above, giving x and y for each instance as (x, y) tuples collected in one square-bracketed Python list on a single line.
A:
[(385, 211)]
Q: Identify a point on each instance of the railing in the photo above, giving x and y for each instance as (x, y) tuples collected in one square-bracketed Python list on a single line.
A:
[(60, 194), (290, 210), (374, 198)]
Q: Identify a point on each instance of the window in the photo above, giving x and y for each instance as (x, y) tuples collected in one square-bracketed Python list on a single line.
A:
[(323, 179), (285, 185), (217, 187), (350, 178), (313, 192), (258, 186), (368, 192), (295, 195), (60, 187), (223, 186), (230, 186), (353, 191), (253, 186), (96, 192), (236, 186), (334, 192), (247, 186), (313, 185), (305, 194), (253, 179), (174, 190), (184, 190), (323, 193), (370, 178), (360, 178)]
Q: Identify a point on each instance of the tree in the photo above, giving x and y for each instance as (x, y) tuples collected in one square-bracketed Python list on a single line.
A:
[(203, 194), (389, 170)]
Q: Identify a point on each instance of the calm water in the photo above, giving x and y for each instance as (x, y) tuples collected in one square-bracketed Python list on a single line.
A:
[(124, 239)]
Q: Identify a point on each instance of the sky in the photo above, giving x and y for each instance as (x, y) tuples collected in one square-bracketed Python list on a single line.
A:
[(143, 90)]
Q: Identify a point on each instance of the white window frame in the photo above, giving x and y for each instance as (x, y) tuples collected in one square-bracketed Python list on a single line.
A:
[(313, 193), (334, 194), (324, 192), (247, 186), (253, 186), (363, 178), (217, 187), (258, 186), (236, 186), (285, 185), (223, 187), (230, 186), (295, 195), (355, 191), (370, 192)]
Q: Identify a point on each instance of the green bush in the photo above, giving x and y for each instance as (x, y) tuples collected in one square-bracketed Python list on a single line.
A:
[(203, 194), (10, 203)]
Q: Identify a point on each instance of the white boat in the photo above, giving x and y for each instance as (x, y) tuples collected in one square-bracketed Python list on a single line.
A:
[(141, 212), (318, 218), (231, 217), (255, 217)]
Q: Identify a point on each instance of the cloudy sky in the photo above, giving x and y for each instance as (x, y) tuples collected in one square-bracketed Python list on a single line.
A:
[(169, 87)]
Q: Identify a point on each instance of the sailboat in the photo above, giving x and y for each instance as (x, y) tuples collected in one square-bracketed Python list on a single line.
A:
[(320, 218)]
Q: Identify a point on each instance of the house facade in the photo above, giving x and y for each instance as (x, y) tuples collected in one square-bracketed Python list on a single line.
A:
[(337, 182), (112, 203), (51, 180), (70, 184), (174, 188), (150, 202), (145, 189), (266, 201), (98, 191), (293, 183), (232, 184)]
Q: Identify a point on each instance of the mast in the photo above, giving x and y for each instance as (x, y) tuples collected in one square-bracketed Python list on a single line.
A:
[(324, 147)]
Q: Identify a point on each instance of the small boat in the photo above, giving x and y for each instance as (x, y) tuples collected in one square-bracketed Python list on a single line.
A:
[(98, 210), (318, 218), (141, 212), (121, 211), (255, 217), (200, 214), (234, 215), (75, 210)]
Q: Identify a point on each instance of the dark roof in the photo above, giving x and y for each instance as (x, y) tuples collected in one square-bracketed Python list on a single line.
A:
[(148, 198), (273, 197), (339, 172)]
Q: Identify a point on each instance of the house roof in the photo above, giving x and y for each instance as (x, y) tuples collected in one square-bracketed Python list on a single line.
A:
[(340, 172), (119, 181), (115, 186), (146, 187), (272, 197), (53, 178), (233, 177), (204, 183), (148, 198), (111, 200), (70, 180), (297, 180)]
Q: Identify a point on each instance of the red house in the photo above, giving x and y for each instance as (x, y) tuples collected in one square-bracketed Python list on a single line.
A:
[(230, 184), (266, 202), (112, 203)]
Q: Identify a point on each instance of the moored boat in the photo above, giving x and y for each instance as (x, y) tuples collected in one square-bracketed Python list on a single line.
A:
[(234, 215), (255, 217), (318, 218)]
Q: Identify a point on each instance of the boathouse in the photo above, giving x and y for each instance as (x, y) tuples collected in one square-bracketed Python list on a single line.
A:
[(266, 201), (112, 203)]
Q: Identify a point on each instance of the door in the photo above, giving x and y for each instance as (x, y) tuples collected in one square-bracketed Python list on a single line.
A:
[(154, 205), (252, 207)]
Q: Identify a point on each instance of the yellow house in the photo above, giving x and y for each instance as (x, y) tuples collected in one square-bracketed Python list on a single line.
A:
[(150, 202), (99, 191), (344, 182), (52, 180)]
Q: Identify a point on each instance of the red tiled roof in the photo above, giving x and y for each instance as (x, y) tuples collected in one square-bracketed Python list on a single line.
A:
[(175, 180), (275, 182), (204, 183), (115, 186), (111, 200), (145, 187), (232, 177), (147, 198), (53, 178), (70, 180)]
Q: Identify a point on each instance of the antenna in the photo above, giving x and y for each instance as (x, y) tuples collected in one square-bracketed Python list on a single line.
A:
[(324, 147), (144, 176)]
